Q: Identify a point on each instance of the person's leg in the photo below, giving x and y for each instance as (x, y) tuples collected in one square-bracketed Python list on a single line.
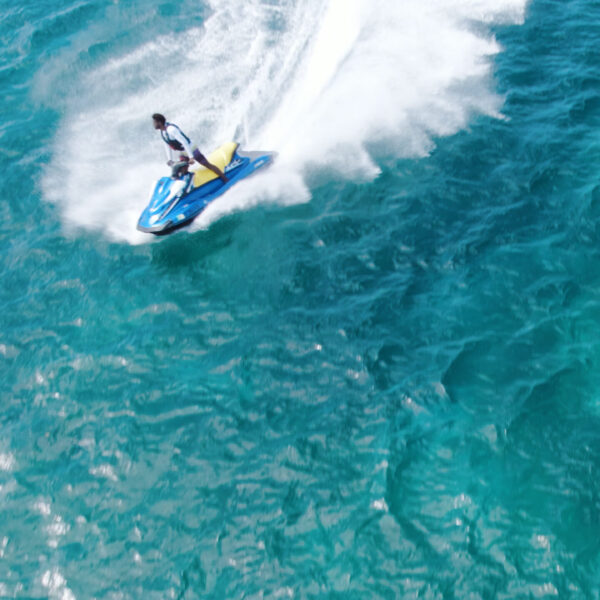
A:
[(204, 162)]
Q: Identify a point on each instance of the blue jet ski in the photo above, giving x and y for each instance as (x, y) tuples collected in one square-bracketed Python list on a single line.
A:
[(177, 202)]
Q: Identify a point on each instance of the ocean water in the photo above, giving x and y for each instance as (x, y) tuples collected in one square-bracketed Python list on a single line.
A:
[(371, 371)]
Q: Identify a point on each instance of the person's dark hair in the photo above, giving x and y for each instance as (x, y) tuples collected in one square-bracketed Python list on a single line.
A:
[(160, 118)]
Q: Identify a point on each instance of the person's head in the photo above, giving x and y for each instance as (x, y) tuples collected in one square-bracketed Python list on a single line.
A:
[(158, 120)]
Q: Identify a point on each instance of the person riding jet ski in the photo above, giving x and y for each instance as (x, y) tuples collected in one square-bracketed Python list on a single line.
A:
[(178, 142)]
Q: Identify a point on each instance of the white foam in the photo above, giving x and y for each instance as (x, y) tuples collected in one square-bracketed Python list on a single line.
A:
[(7, 461), (341, 85), (55, 583)]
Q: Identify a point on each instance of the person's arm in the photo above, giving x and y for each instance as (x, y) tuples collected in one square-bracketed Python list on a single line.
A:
[(176, 134), (168, 152)]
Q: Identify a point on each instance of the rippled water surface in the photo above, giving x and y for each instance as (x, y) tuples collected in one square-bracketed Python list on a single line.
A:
[(371, 372)]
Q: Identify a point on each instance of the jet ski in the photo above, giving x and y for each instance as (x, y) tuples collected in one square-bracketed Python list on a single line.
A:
[(177, 202)]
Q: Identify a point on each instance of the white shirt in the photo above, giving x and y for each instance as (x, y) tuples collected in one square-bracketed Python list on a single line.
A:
[(174, 133)]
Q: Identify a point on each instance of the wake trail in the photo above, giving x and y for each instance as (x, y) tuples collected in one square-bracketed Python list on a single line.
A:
[(340, 85)]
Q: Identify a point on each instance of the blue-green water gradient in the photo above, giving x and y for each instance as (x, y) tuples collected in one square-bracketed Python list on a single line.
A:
[(390, 391)]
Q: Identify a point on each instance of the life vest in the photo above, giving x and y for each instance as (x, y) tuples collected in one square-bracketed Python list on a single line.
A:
[(171, 142)]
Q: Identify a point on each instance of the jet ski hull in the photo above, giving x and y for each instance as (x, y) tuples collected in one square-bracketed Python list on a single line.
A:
[(176, 203)]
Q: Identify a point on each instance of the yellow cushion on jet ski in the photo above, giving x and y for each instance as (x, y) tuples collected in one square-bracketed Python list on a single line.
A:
[(221, 157)]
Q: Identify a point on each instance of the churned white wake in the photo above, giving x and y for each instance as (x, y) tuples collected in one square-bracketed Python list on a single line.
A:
[(338, 86)]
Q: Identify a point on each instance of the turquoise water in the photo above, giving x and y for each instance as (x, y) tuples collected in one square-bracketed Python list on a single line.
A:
[(371, 372)]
